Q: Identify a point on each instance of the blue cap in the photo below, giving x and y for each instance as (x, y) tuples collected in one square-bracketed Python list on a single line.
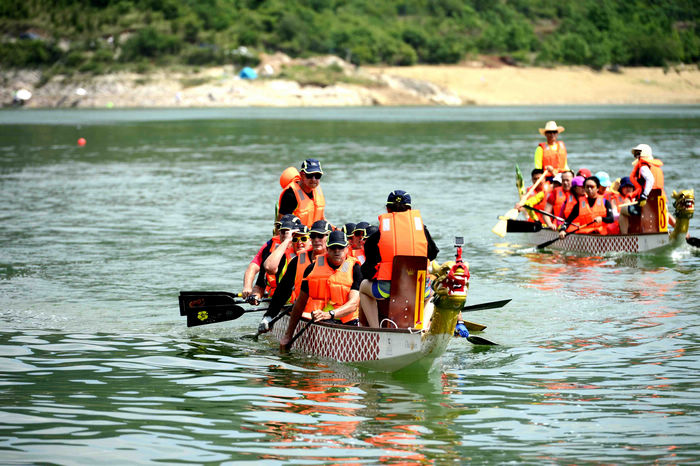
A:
[(337, 238), (361, 227), (320, 226), (311, 166), (348, 228), (625, 181), (399, 197), (604, 179)]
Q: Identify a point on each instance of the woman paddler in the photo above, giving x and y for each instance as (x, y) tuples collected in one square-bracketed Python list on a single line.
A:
[(589, 214)]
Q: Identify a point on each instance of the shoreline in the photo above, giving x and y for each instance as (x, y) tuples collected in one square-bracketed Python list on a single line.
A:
[(420, 85)]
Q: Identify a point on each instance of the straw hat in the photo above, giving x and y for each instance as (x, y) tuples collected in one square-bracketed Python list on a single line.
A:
[(551, 126)]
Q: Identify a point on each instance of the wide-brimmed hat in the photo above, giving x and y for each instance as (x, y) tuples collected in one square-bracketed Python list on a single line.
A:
[(311, 166), (337, 238), (321, 227), (399, 197), (645, 150), (604, 179), (552, 126)]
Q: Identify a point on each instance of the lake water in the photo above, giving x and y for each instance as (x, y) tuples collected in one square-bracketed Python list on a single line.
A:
[(598, 359)]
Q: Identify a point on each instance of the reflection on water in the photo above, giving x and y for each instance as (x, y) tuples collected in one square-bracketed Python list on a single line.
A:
[(597, 359)]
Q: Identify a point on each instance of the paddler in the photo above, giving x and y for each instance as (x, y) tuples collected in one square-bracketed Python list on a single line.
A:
[(357, 241), (267, 281), (646, 176), (401, 232), (558, 198), (329, 288), (252, 293), (537, 198), (289, 285), (623, 195), (303, 196), (591, 211), (551, 155)]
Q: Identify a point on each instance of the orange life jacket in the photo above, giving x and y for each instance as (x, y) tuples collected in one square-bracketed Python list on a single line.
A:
[(400, 234), (569, 204), (561, 198), (271, 278), (638, 181), (303, 261), (329, 285), (358, 254), (557, 159), (586, 214), (308, 210)]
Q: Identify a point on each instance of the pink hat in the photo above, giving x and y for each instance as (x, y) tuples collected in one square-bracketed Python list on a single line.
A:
[(577, 181)]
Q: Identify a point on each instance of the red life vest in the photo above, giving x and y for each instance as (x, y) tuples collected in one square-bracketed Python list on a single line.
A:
[(569, 204), (555, 158), (330, 286), (638, 181), (308, 210), (400, 234), (560, 198), (586, 214)]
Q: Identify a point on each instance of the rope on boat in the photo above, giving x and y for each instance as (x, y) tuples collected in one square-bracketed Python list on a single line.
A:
[(389, 321)]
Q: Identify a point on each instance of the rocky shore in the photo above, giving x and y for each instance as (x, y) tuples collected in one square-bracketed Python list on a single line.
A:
[(476, 83)]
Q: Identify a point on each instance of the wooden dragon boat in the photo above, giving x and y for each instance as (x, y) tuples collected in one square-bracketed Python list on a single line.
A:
[(412, 335), (648, 233)]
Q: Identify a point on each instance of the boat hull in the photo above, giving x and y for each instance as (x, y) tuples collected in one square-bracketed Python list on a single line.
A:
[(601, 244), (386, 350)]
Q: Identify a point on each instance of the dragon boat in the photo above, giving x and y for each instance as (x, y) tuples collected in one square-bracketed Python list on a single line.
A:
[(412, 335), (647, 233)]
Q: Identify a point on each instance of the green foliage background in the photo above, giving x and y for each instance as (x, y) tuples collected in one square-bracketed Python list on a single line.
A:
[(73, 34)]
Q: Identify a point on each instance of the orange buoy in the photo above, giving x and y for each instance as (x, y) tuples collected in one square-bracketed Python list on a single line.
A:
[(81, 142), (288, 175)]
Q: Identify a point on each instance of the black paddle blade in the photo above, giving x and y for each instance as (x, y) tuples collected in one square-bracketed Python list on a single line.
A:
[(523, 226), (193, 299), (695, 242), (211, 315), (491, 305), (477, 340)]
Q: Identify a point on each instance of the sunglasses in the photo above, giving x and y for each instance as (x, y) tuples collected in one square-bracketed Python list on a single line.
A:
[(315, 176), (303, 239), (359, 233), (317, 235)]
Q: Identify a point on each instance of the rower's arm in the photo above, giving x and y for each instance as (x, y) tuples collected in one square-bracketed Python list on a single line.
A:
[(350, 306), (273, 260)]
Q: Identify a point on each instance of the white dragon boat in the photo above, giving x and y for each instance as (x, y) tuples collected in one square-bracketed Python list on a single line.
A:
[(648, 233)]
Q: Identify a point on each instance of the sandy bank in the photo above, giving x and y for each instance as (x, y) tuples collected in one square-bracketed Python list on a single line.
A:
[(509, 85), (417, 85)]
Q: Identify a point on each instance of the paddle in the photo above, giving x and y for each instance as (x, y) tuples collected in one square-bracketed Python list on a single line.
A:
[(272, 322), (477, 340), (523, 226), (691, 240), (544, 213), (547, 243), (490, 305), (501, 227), (288, 346), (198, 299)]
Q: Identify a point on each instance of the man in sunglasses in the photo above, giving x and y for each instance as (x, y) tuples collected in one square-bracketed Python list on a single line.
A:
[(290, 283), (357, 241), (329, 289), (254, 289), (303, 197)]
